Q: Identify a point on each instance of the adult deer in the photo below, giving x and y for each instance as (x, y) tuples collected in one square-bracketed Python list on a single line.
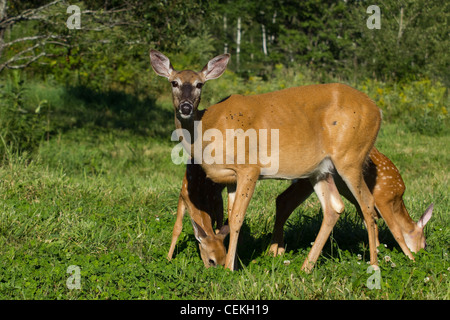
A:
[(320, 128), (387, 186)]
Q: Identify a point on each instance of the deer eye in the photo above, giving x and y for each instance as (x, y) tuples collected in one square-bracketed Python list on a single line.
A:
[(199, 85), (174, 84)]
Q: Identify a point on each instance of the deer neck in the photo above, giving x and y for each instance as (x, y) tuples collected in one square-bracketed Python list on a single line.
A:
[(188, 124), (190, 127), (406, 223)]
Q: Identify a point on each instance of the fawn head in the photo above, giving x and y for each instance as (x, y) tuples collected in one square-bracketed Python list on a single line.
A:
[(212, 249), (415, 240), (187, 84)]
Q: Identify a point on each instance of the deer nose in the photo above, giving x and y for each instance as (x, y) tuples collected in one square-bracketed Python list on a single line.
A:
[(186, 108)]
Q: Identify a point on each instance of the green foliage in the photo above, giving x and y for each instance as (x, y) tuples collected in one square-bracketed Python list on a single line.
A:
[(33, 112), (23, 122), (421, 104), (402, 49), (331, 38)]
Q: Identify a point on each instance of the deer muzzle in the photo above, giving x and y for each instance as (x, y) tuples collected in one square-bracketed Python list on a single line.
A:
[(186, 108)]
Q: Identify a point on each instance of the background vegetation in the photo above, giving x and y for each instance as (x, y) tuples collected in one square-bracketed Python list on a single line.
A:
[(85, 172)]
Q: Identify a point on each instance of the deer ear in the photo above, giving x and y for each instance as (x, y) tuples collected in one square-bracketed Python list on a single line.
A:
[(223, 232), (199, 233), (425, 217), (160, 64), (216, 67)]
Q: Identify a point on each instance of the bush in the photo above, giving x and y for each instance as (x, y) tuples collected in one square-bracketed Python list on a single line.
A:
[(23, 124), (420, 104)]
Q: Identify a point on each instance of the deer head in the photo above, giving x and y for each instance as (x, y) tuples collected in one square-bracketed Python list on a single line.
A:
[(415, 240), (212, 249), (187, 84)]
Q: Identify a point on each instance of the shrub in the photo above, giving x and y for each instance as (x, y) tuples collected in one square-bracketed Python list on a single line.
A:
[(22, 124), (419, 104)]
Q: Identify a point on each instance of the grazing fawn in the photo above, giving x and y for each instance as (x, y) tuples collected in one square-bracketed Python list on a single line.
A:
[(387, 186)]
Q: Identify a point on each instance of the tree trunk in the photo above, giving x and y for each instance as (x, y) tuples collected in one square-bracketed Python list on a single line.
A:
[(400, 27), (225, 45), (274, 20), (264, 42), (2, 30), (238, 42)]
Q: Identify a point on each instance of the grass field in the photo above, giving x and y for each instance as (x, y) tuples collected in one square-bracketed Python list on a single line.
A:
[(102, 195)]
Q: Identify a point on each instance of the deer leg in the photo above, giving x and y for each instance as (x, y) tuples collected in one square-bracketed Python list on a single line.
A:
[(286, 202), (246, 182), (231, 189), (217, 206), (177, 227), (332, 206), (353, 177), (219, 210), (358, 209)]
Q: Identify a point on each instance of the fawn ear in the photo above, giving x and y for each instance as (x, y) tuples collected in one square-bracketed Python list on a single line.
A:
[(425, 217), (216, 66), (160, 64), (223, 232), (199, 233)]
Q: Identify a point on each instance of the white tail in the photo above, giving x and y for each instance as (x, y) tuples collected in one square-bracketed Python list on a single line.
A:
[(317, 125)]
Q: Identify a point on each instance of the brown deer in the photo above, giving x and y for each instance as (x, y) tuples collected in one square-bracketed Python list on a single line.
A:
[(317, 129), (387, 186)]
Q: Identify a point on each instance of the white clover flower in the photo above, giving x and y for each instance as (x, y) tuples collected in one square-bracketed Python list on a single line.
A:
[(359, 256), (387, 258), (426, 279)]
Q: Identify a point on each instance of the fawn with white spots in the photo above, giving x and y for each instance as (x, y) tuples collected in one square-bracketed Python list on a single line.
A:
[(387, 186)]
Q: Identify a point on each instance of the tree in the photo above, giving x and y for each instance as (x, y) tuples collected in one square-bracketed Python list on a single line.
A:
[(30, 48), (410, 43)]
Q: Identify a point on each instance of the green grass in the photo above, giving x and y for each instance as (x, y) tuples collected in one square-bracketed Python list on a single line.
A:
[(106, 200), (100, 192)]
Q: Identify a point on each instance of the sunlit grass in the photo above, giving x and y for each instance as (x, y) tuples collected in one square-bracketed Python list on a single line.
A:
[(105, 201)]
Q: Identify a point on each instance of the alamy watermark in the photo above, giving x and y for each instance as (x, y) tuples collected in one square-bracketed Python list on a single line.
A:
[(374, 281), (74, 21), (374, 21), (235, 150), (74, 280)]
